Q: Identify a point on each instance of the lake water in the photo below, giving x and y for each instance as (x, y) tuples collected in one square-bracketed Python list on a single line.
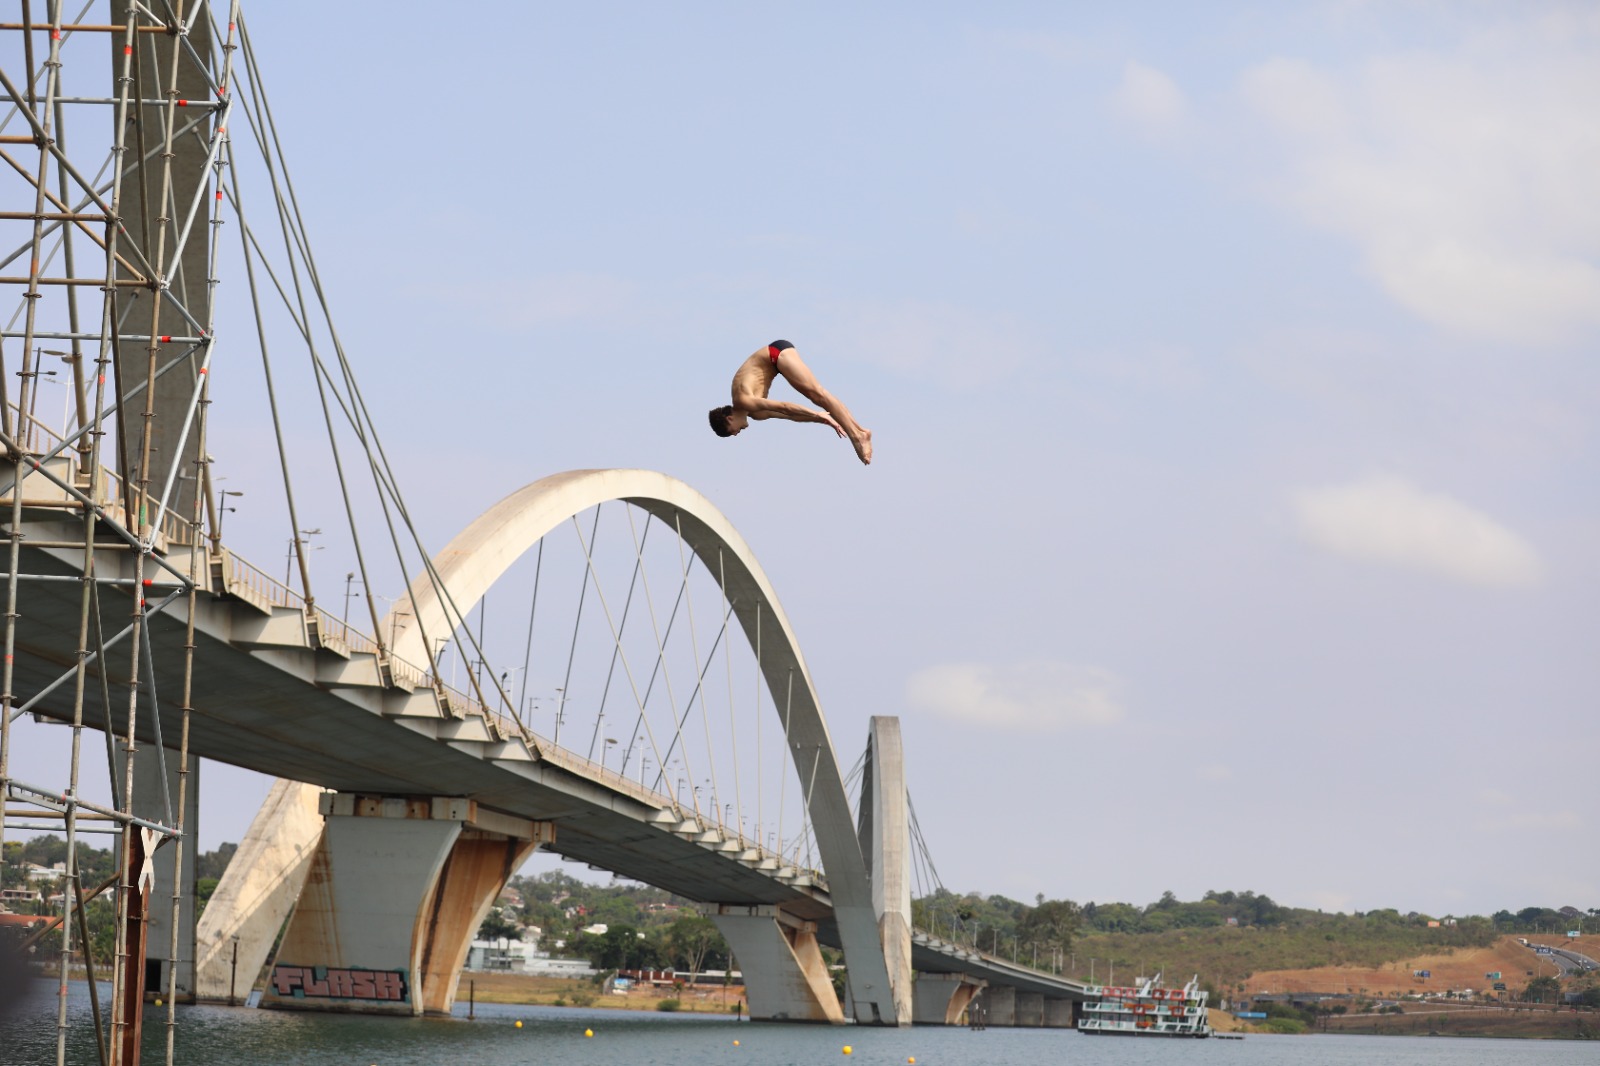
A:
[(225, 1036)]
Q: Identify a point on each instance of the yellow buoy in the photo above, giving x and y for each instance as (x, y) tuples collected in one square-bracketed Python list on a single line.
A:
[(736, 1043), (912, 1060), (847, 1049), (588, 1032), (519, 1023), (158, 1002)]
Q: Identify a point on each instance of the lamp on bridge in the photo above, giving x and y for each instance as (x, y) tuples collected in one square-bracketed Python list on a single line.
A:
[(505, 689), (349, 579), (294, 541), (224, 508)]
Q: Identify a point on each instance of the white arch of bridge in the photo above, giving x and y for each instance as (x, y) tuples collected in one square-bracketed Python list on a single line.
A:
[(482, 552)]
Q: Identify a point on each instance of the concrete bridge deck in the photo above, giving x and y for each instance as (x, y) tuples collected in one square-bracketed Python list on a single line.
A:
[(298, 696)]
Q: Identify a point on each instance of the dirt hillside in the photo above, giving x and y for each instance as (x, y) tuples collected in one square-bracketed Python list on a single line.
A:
[(1465, 968)]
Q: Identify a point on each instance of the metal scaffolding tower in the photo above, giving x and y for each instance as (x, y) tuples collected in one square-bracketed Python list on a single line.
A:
[(112, 270)]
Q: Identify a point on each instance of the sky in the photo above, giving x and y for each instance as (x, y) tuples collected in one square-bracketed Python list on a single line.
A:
[(1232, 370)]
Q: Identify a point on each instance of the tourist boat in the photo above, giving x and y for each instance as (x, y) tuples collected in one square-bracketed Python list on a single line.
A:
[(1146, 1010)]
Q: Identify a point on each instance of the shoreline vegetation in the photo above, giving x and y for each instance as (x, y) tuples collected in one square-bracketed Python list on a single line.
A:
[(1379, 971)]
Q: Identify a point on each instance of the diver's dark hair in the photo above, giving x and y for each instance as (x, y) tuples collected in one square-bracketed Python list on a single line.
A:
[(719, 420)]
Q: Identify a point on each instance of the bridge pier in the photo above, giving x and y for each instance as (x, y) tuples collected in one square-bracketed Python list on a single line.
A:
[(149, 801), (1058, 1013), (1030, 1010), (941, 998), (999, 1004), (395, 890), (884, 827), (785, 977)]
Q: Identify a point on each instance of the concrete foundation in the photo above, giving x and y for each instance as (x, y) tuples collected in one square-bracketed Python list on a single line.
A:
[(1059, 1014), (785, 977), (1030, 1010), (942, 998), (395, 890), (999, 1003)]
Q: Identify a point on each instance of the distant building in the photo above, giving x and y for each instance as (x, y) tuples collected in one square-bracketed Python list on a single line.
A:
[(544, 966), (498, 956)]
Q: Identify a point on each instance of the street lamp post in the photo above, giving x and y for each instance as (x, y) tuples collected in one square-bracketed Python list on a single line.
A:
[(505, 689), (440, 645), (233, 977), (288, 565), (224, 508), (349, 579)]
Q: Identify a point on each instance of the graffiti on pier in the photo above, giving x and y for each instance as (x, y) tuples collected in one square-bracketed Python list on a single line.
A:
[(324, 982)]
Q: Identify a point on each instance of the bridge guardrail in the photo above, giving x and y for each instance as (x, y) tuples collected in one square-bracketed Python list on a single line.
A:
[(243, 572), (36, 438), (346, 634)]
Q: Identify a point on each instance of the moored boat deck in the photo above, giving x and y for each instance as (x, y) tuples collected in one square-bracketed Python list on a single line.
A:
[(1146, 1010)]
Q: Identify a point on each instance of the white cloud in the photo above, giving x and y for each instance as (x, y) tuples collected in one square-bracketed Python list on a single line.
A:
[(1465, 176), (1039, 695), (1386, 519), (1148, 97)]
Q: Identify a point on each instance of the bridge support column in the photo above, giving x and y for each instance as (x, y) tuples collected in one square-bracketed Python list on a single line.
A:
[(395, 890), (1030, 1010), (257, 892), (1000, 1006), (785, 978), (884, 827), (1058, 1014), (941, 998), (477, 870), (149, 801)]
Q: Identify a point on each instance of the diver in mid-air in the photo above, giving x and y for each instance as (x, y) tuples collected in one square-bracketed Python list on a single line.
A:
[(753, 381)]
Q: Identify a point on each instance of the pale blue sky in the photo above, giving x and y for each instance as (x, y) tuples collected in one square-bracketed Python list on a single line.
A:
[(1232, 371)]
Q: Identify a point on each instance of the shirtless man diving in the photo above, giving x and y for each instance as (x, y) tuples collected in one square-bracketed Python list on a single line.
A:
[(753, 381)]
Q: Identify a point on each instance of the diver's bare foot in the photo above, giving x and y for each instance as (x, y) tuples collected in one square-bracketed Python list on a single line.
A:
[(863, 446)]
